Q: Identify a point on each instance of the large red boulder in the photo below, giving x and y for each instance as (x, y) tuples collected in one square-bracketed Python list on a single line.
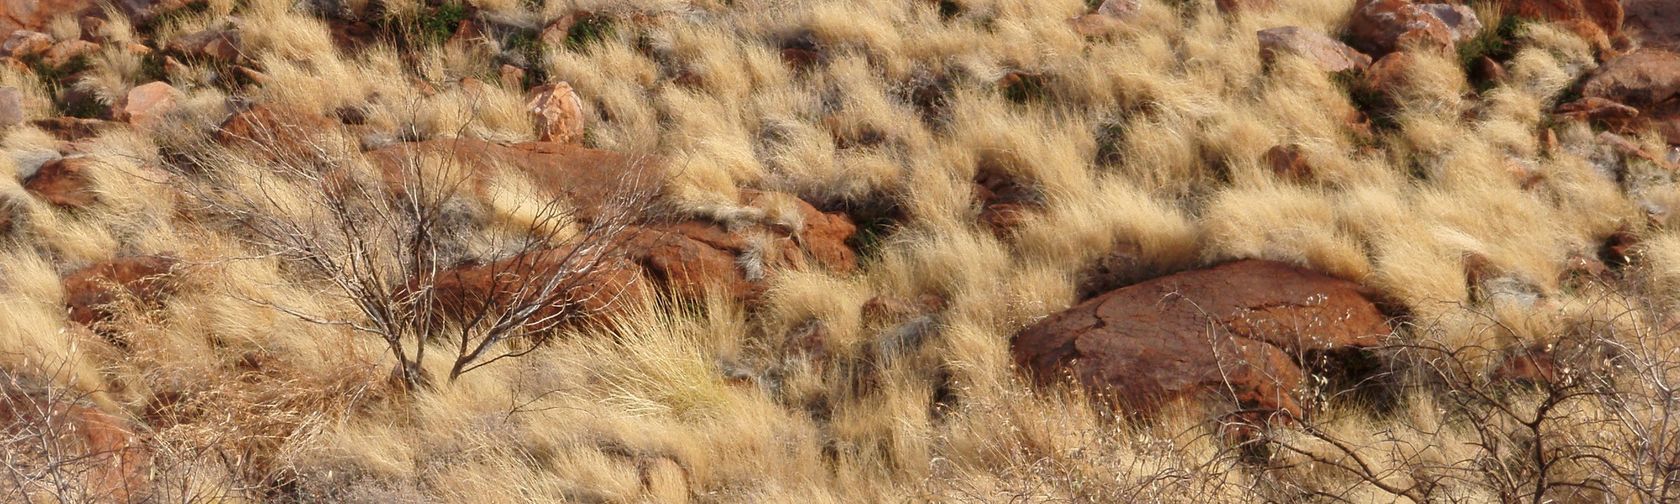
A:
[(1235, 331), (93, 293)]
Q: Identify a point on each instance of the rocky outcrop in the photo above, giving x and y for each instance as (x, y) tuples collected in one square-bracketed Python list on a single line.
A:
[(92, 294), (1656, 23), (1329, 54), (1236, 332), (570, 287)]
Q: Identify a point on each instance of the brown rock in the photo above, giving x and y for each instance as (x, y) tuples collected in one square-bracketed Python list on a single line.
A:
[(63, 182), (1641, 78), (1379, 27), (1235, 6), (1655, 22), (146, 104), (1230, 331), (280, 135), (1604, 16), (599, 287), (91, 292), (61, 53), (1288, 163), (11, 107), (559, 113), (1329, 54), (97, 453), (1460, 20), (511, 77), (1489, 70), (1593, 108), (34, 14), (1004, 201), (25, 43), (73, 128), (214, 44), (1390, 74)]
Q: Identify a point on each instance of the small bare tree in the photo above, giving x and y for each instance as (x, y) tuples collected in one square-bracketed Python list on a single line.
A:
[(389, 240)]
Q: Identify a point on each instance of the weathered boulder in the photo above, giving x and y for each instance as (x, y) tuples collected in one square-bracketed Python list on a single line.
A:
[(92, 293), (1329, 54), (96, 452), (559, 113), (1235, 331), (64, 182), (1379, 27)]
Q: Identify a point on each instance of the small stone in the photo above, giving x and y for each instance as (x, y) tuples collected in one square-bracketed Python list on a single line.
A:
[(146, 104)]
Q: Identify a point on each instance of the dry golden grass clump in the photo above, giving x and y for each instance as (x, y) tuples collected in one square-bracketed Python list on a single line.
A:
[(1465, 203)]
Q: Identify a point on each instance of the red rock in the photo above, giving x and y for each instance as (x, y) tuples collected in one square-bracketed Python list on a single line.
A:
[(1379, 27), (1641, 78), (1004, 201), (61, 53), (1593, 108), (1461, 20), (146, 104), (1288, 163), (213, 44), (1604, 16), (1390, 74), (1329, 54), (598, 288), (99, 453), (63, 182), (511, 77), (35, 14), (279, 135), (1229, 331), (682, 257), (559, 113), (25, 43), (90, 292)]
